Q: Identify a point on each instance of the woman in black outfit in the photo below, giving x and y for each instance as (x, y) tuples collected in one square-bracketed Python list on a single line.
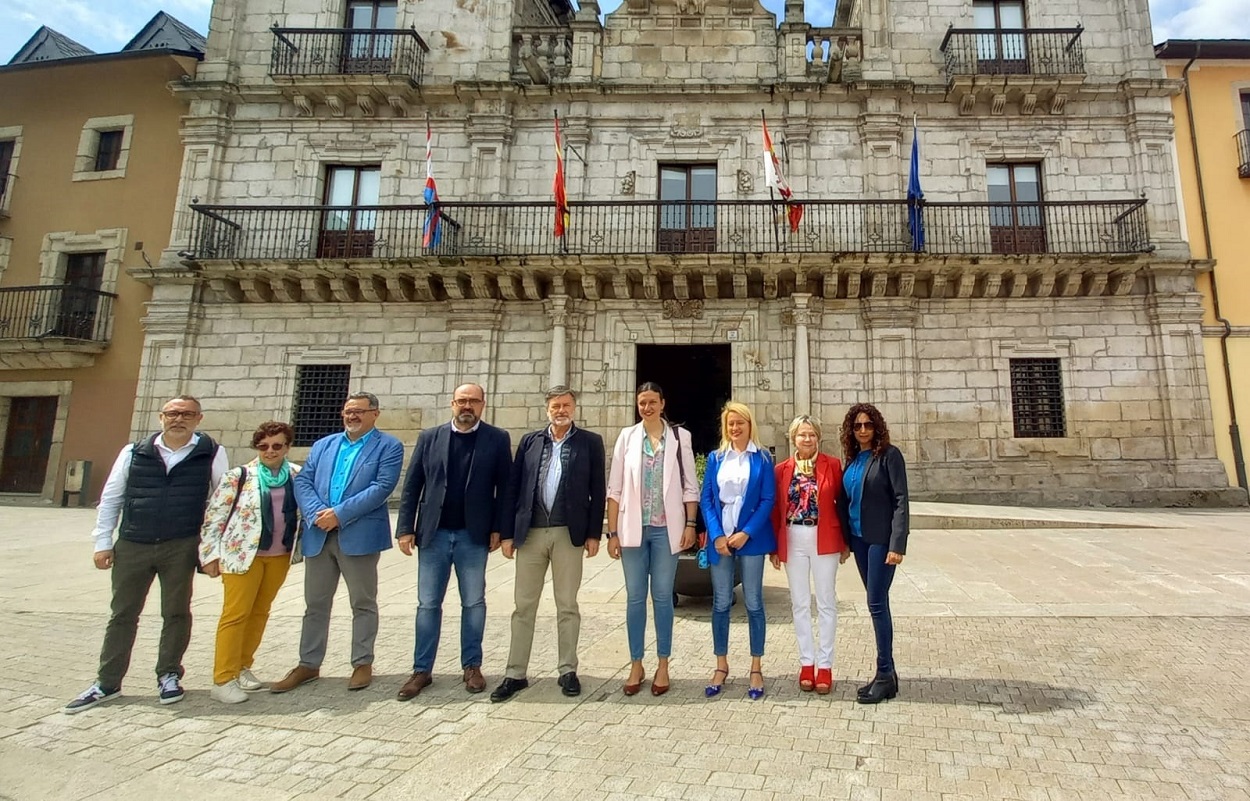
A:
[(873, 507)]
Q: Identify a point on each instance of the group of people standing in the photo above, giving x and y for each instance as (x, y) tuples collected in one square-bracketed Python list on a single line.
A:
[(467, 495)]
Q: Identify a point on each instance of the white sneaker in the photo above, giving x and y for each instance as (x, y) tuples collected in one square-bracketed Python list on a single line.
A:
[(228, 693), (248, 682)]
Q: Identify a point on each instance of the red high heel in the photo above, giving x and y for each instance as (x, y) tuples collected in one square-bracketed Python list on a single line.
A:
[(824, 681), (807, 678)]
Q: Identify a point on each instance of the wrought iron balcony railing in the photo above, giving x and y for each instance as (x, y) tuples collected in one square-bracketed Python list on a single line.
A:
[(307, 52), (1013, 51), (1243, 153), (59, 311), (642, 227)]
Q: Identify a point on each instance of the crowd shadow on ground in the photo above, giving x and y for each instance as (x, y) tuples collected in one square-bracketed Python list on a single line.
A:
[(329, 696)]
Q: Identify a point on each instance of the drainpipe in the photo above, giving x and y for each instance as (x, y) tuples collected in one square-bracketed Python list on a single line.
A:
[(1239, 459)]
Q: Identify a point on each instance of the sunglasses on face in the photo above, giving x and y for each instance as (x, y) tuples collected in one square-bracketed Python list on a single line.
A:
[(863, 426), (272, 446)]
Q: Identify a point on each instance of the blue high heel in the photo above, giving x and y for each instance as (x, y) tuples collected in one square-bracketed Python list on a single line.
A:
[(756, 693), (713, 690)]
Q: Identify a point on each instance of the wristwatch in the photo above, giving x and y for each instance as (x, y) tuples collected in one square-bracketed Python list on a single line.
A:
[(611, 534)]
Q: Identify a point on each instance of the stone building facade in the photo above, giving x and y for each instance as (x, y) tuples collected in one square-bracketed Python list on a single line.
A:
[(1042, 345)]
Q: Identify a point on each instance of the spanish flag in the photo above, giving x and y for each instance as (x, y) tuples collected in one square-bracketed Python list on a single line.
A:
[(557, 187)]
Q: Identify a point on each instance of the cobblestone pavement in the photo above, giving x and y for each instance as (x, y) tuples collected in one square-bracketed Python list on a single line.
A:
[(1037, 663)]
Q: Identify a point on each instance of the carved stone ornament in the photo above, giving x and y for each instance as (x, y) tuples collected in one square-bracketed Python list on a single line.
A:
[(746, 182), (680, 132), (628, 181), (683, 310)]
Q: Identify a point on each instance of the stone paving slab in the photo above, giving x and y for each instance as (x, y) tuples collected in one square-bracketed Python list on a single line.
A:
[(1036, 664)]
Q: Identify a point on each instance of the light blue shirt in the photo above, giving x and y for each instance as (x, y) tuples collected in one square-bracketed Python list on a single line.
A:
[(555, 468), (344, 461), (853, 481)]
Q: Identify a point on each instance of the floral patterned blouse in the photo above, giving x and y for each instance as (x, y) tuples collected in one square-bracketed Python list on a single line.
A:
[(801, 498), (653, 480)]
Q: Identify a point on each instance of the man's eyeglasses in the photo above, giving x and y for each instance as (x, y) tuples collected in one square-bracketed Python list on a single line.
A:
[(180, 415), (272, 446), (863, 426), (468, 401), (357, 412)]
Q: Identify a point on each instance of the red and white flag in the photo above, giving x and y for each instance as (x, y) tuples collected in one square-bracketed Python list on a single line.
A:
[(775, 180), (557, 188)]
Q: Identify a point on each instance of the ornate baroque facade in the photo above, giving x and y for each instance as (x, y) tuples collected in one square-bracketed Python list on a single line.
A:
[(1044, 345)]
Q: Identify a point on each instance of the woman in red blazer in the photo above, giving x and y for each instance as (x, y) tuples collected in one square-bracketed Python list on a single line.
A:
[(810, 542)]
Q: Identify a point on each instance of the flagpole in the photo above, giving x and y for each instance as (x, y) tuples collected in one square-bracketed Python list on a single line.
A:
[(772, 200)]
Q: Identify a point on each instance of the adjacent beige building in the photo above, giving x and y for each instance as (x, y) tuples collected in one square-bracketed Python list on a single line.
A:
[(89, 159), (1043, 344)]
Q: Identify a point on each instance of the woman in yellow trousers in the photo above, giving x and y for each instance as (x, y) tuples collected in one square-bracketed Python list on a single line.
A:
[(248, 537)]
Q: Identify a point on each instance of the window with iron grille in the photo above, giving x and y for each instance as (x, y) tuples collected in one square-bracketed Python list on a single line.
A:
[(320, 390), (108, 150), (1037, 398)]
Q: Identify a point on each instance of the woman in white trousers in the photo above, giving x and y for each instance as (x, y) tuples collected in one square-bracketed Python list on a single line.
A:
[(811, 544)]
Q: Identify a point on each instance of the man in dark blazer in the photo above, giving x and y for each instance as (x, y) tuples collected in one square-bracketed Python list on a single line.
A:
[(556, 497), (342, 492), (454, 493)]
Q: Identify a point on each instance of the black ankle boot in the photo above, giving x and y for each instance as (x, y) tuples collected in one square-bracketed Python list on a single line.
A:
[(868, 686), (884, 687)]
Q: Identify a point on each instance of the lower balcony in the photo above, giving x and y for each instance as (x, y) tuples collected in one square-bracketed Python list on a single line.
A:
[(54, 326), (616, 228), (1243, 153)]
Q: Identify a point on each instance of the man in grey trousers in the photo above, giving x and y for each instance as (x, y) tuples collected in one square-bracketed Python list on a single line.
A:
[(342, 492)]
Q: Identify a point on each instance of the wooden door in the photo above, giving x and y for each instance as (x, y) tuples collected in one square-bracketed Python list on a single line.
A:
[(686, 226), (84, 275), (27, 442)]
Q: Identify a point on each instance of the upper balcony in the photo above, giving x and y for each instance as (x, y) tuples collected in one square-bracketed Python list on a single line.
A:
[(1020, 65), (58, 325), (1243, 153), (376, 252), (343, 66)]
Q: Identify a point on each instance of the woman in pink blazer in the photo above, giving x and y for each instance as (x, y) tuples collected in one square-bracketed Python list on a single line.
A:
[(653, 493)]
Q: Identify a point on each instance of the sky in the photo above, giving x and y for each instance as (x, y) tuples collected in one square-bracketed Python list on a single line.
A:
[(105, 25)]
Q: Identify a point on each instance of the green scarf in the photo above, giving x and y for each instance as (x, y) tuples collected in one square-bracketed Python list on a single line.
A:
[(268, 479)]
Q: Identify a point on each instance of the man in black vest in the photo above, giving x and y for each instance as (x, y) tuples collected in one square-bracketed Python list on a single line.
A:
[(159, 488), (556, 496)]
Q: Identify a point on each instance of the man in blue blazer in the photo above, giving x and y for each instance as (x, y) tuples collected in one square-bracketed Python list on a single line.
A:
[(342, 494), (453, 510)]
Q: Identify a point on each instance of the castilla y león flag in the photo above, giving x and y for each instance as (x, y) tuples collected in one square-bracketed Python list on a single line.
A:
[(774, 179)]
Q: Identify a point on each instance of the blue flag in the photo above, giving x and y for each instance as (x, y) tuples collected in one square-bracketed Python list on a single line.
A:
[(915, 197)]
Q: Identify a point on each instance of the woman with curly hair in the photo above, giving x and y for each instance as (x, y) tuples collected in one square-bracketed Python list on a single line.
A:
[(249, 533), (874, 510)]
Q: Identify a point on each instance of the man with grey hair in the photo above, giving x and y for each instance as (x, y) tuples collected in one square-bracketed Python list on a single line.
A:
[(342, 494), (159, 489), (556, 497)]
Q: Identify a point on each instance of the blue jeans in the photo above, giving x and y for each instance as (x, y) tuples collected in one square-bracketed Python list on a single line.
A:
[(653, 561), (448, 549), (877, 577), (752, 568)]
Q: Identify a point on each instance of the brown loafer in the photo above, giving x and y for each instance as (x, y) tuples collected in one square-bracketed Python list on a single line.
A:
[(298, 675), (415, 684), (361, 678), (474, 682)]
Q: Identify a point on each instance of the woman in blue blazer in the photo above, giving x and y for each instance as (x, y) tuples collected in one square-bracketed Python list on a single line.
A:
[(737, 504)]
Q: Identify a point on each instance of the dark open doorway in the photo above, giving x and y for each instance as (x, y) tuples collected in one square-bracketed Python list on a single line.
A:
[(697, 381)]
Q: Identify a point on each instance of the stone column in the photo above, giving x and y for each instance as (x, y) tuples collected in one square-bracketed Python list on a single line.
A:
[(1174, 310), (892, 368), (881, 133), (1150, 132), (170, 328), (558, 308), (587, 42), (803, 317)]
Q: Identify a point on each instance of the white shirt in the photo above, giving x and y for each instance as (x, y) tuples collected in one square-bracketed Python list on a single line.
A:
[(731, 482), (110, 508), (555, 467)]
